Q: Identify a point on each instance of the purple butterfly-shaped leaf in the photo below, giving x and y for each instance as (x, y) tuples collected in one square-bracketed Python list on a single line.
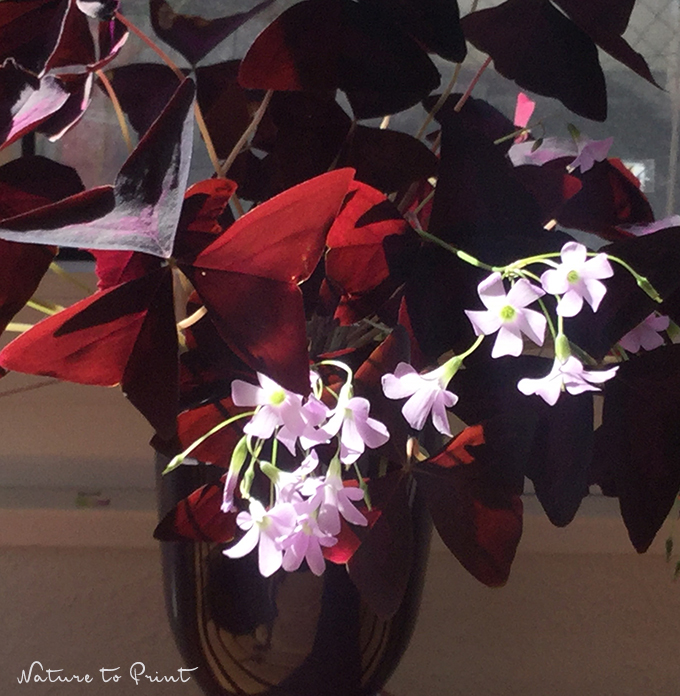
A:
[(194, 37), (534, 44)]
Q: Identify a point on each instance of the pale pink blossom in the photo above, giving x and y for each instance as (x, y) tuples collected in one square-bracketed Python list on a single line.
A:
[(304, 543), (569, 375), (589, 152), (356, 431), (265, 529), (228, 491), (288, 484), (549, 149), (507, 314), (646, 334), (276, 407), (577, 279), (584, 151), (332, 499), (642, 229), (427, 394), (524, 108)]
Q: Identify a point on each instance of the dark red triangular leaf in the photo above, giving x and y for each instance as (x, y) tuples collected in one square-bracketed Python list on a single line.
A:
[(27, 183), (89, 342), (283, 238), (370, 247)]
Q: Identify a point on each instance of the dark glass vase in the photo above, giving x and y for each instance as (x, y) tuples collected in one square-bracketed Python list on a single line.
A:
[(292, 634)]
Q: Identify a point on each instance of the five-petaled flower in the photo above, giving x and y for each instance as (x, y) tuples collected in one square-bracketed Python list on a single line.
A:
[(276, 407), (427, 392), (569, 375), (265, 529), (577, 278), (356, 431), (507, 314)]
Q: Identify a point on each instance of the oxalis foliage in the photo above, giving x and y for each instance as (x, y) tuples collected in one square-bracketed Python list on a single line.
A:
[(311, 318)]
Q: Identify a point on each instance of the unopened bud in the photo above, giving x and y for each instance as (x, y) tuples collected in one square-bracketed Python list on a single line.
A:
[(562, 348)]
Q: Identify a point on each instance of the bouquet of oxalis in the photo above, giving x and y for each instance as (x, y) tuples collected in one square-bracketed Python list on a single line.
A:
[(345, 308)]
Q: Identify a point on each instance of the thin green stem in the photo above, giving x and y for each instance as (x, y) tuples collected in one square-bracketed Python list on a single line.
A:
[(472, 348), (462, 255), (642, 282), (551, 326), (178, 459)]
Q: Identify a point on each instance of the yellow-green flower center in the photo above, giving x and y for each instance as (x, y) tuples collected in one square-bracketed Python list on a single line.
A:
[(508, 313), (572, 276), (277, 397)]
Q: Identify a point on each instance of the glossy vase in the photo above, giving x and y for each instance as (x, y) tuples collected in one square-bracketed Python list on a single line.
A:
[(293, 634)]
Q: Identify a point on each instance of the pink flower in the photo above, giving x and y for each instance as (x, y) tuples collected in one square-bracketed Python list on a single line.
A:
[(333, 499), (568, 374), (577, 279), (589, 152), (524, 107), (645, 335), (356, 430), (428, 394), (266, 528), (585, 152), (276, 407), (506, 314), (304, 543)]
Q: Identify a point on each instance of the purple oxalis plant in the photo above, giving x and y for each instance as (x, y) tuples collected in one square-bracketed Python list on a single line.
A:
[(338, 280)]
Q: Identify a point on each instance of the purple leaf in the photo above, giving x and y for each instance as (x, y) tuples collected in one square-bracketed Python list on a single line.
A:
[(433, 23), (604, 21), (477, 514), (194, 37), (320, 45), (226, 106), (140, 211), (534, 44), (388, 160), (111, 38), (639, 439), (143, 90)]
